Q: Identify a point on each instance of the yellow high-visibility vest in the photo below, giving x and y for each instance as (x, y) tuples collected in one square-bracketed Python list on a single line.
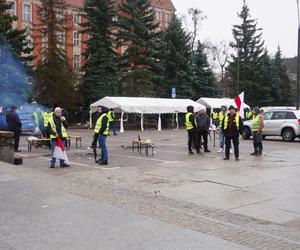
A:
[(53, 127), (36, 118), (47, 116), (110, 116), (237, 121), (256, 123), (99, 125), (214, 115), (188, 124), (221, 117)]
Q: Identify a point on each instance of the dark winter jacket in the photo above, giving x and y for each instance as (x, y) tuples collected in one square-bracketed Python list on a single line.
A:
[(203, 121), (13, 122)]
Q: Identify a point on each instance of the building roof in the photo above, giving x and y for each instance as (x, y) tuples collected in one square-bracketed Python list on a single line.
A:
[(75, 3), (164, 4)]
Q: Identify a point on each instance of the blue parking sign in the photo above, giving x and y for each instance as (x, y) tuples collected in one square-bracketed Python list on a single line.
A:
[(173, 92)]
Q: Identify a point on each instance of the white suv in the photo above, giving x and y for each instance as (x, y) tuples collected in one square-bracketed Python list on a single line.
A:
[(285, 123)]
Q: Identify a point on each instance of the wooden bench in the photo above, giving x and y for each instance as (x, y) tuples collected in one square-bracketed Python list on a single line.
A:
[(40, 142), (37, 142), (146, 144)]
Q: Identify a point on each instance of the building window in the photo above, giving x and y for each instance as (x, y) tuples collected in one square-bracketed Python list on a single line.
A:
[(115, 19), (26, 13), (60, 14), (76, 40), (76, 61), (12, 10), (158, 15), (61, 36), (168, 19), (76, 19)]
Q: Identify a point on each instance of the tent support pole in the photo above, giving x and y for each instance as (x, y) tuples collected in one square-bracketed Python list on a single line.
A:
[(122, 123), (159, 123)]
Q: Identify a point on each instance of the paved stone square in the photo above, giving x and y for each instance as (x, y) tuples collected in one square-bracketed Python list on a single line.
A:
[(167, 201)]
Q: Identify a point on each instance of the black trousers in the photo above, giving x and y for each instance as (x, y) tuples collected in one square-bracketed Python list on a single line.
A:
[(17, 140), (192, 138), (235, 142), (202, 133), (257, 142)]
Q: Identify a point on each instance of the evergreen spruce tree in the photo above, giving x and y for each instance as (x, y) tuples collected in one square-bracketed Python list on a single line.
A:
[(54, 78), (265, 77), (100, 70), (138, 35), (282, 82), (249, 58), (178, 61), (14, 38), (205, 83)]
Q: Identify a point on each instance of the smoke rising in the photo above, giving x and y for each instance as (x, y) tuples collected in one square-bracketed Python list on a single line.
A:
[(14, 85)]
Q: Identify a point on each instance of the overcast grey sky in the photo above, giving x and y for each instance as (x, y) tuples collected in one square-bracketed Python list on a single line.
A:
[(278, 18)]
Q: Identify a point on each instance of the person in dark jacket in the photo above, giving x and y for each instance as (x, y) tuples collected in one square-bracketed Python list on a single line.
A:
[(101, 132), (57, 126), (191, 127), (14, 124), (203, 123), (232, 126)]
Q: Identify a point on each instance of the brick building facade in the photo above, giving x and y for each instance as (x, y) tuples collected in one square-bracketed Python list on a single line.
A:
[(27, 14)]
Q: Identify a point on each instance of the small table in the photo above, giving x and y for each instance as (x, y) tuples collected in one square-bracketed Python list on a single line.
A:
[(139, 144)]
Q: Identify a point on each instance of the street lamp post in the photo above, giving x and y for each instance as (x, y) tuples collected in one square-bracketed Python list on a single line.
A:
[(298, 59), (238, 68)]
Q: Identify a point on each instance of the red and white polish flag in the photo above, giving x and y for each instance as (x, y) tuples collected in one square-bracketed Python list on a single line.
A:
[(59, 151), (239, 102)]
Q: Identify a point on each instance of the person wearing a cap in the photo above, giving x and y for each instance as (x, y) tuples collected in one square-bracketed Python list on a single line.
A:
[(191, 128), (257, 128), (232, 127), (14, 124)]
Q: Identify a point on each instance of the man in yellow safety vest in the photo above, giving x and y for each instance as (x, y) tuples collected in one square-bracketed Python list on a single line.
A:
[(215, 118), (46, 117), (101, 132), (257, 128), (232, 127), (57, 125), (111, 119), (191, 128)]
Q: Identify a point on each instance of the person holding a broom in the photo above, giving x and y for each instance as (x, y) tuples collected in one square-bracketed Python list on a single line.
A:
[(57, 125)]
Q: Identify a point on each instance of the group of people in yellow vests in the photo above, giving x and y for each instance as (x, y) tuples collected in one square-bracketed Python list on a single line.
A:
[(54, 125), (230, 126), (228, 121)]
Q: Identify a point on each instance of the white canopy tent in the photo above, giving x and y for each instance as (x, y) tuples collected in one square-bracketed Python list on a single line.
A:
[(216, 103), (142, 105)]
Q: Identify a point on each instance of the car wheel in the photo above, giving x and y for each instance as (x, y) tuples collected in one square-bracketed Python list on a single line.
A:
[(288, 134), (246, 133)]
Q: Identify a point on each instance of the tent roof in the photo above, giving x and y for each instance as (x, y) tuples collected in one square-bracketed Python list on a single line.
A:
[(146, 105), (216, 103)]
